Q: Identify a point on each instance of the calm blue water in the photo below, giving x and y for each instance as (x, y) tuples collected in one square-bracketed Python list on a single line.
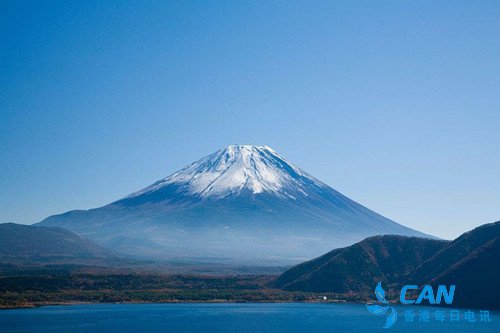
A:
[(275, 317)]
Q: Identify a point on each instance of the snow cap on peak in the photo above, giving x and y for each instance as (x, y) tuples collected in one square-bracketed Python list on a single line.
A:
[(237, 169), (237, 147)]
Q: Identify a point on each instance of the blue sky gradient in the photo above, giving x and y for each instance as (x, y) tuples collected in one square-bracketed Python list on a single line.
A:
[(393, 103)]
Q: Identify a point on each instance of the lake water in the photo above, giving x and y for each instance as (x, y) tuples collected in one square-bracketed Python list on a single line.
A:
[(196, 317)]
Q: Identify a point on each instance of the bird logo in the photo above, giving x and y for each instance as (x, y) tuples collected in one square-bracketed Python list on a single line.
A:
[(379, 310)]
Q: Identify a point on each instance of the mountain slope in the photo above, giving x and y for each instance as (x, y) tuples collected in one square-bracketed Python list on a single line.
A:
[(24, 243), (359, 267), (457, 250), (242, 203), (470, 262)]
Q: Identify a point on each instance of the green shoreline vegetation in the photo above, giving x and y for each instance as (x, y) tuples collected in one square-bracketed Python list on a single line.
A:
[(57, 288)]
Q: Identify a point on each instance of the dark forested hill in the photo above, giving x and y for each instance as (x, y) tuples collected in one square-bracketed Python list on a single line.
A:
[(471, 262), (456, 251), (359, 267)]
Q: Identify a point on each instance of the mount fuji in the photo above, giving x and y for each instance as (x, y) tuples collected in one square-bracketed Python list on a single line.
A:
[(243, 204)]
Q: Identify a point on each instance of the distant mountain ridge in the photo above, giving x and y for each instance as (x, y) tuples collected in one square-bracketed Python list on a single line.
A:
[(471, 262), (26, 244), (241, 204)]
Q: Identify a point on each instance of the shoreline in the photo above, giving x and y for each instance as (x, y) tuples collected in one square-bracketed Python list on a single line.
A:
[(32, 306)]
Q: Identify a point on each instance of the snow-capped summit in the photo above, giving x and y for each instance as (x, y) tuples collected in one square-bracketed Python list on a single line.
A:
[(237, 169), (241, 204)]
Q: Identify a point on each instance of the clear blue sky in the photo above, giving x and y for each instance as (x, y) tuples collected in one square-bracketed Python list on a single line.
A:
[(394, 103)]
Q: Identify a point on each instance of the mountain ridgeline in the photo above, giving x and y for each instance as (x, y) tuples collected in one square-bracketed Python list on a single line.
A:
[(26, 245), (242, 204), (470, 262)]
